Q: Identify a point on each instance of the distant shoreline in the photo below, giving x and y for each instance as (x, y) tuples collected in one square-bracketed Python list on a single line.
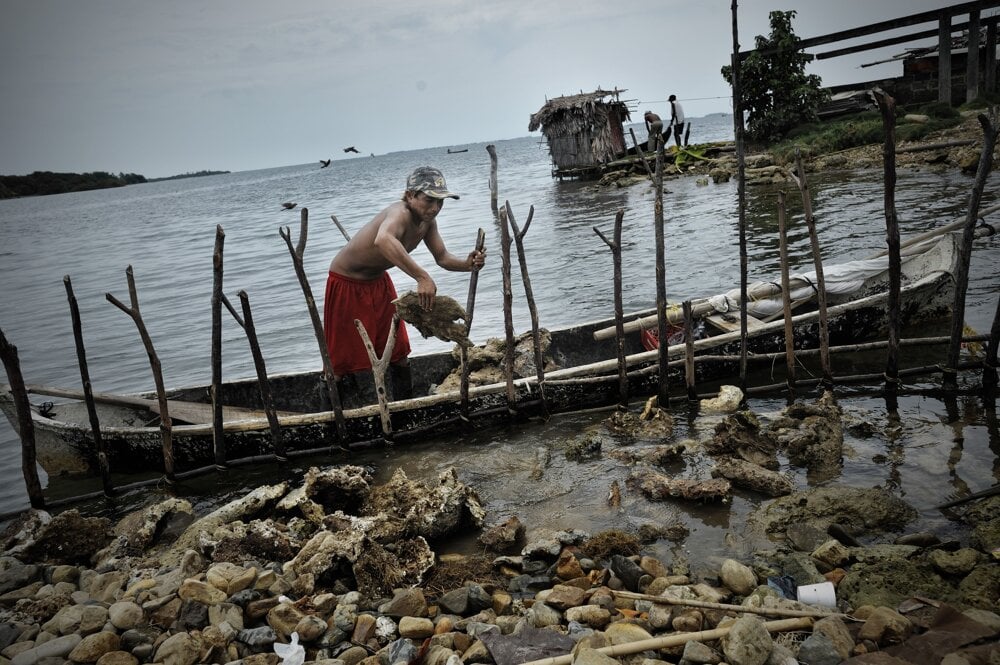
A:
[(44, 183)]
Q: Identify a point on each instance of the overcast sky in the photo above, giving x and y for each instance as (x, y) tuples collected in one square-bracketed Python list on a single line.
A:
[(168, 87)]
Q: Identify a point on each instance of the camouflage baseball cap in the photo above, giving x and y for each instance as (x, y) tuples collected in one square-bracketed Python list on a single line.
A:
[(429, 180)]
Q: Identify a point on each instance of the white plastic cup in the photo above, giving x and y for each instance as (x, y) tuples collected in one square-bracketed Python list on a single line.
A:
[(821, 594)]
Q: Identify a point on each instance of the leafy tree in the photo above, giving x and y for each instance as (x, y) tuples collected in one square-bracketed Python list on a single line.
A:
[(776, 92)]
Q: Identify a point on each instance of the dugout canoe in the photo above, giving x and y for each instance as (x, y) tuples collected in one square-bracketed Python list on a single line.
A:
[(586, 376)]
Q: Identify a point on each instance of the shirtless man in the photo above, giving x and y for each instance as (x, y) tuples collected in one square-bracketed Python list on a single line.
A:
[(654, 126), (358, 286)]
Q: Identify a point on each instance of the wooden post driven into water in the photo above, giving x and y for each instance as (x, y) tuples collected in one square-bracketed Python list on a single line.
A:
[(888, 107), (944, 60), (218, 435), (508, 314), (296, 252), (741, 190), (692, 392), (824, 329), (616, 258), (950, 372), (166, 425), (25, 428), (536, 336), (786, 297), (266, 398), (88, 394), (470, 306), (499, 217), (990, 361), (663, 394)]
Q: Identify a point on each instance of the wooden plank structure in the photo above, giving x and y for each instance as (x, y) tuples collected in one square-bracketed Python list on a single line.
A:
[(584, 131), (980, 68)]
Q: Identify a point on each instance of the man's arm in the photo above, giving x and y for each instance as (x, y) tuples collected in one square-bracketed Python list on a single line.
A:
[(388, 243), (447, 260)]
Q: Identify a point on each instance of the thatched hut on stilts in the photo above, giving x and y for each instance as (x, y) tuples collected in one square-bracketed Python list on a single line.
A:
[(583, 131)]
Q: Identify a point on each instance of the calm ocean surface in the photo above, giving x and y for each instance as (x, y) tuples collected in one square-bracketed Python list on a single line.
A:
[(166, 232)]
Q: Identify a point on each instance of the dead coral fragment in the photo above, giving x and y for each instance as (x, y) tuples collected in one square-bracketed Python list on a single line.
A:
[(441, 321), (602, 545), (657, 486)]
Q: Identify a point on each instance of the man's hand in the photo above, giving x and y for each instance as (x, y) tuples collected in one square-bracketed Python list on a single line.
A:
[(426, 291), (476, 260)]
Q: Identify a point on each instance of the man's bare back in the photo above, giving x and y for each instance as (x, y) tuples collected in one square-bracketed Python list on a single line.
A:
[(362, 259)]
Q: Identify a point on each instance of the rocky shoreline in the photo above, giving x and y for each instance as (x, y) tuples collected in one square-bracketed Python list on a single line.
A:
[(957, 148), (338, 570)]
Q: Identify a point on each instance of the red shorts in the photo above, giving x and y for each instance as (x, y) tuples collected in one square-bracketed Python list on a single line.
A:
[(371, 303)]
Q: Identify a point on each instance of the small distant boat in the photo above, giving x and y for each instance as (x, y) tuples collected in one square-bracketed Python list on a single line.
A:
[(452, 152)]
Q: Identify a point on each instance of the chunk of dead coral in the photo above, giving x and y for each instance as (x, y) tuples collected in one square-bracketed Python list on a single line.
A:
[(441, 321)]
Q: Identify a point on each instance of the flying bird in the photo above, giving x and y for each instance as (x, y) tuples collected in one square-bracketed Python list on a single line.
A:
[(350, 149), (325, 163), (288, 205)]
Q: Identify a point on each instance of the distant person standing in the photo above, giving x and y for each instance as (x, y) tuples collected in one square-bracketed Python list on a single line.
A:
[(676, 119), (654, 126)]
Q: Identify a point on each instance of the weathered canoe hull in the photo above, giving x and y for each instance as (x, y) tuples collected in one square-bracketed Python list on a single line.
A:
[(64, 446)]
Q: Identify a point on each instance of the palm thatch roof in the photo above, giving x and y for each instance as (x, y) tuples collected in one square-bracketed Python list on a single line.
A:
[(586, 109)]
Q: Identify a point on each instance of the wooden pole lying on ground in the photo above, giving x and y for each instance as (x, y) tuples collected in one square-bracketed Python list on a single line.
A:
[(824, 329), (88, 394), (616, 258), (216, 391), (25, 428), (379, 368), (689, 352), (536, 336), (328, 377), (704, 604), (663, 393), (470, 306), (950, 377), (786, 297), (888, 107), (166, 426), (675, 640), (266, 398)]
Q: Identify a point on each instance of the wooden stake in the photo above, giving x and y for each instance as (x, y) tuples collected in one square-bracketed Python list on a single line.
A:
[(166, 426), (379, 367), (642, 155), (663, 394), (347, 236), (741, 187), (88, 395), (218, 436), (689, 352), (950, 377), (703, 604), (888, 107), (25, 427), (786, 297), (296, 254), (824, 330), (529, 296), (990, 361), (469, 309), (508, 314), (616, 258), (675, 640), (263, 384)]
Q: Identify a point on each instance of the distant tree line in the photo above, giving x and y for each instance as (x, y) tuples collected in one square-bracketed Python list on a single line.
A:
[(41, 183)]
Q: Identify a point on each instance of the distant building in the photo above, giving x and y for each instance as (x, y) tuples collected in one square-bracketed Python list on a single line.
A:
[(583, 131)]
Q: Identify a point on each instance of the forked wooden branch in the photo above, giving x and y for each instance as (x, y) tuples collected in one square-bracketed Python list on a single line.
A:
[(616, 258), (536, 336), (166, 426), (379, 367)]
